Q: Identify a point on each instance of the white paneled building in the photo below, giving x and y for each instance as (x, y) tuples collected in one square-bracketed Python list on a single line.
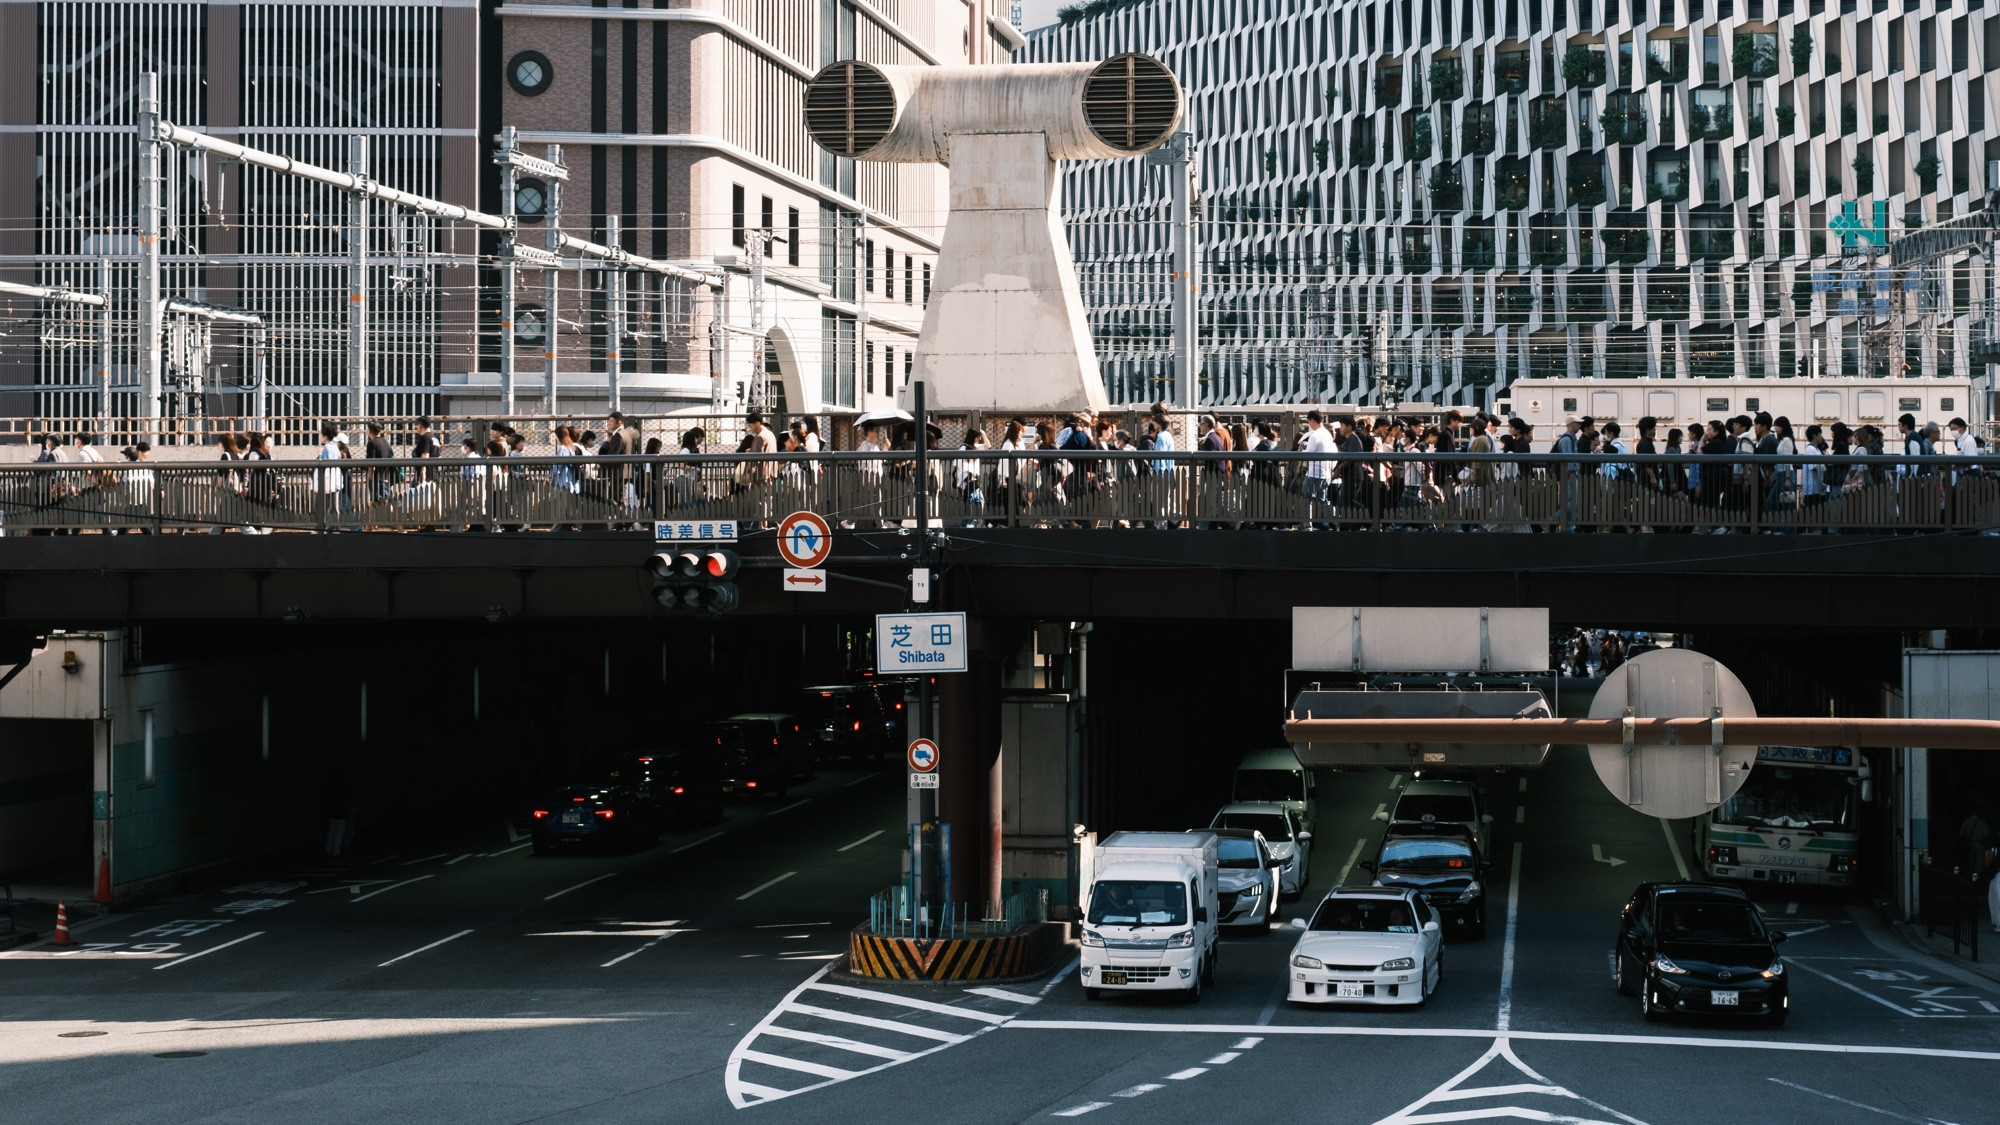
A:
[(1467, 192)]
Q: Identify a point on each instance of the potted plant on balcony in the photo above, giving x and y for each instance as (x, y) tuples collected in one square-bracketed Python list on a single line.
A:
[(1447, 80), (1420, 140), (1786, 116), (1928, 169), (1582, 66), (1864, 174), (1801, 51)]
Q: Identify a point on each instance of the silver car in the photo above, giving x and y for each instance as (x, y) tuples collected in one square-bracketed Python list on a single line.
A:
[(1282, 834), (1247, 879)]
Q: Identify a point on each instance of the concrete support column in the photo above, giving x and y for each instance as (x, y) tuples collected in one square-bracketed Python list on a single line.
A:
[(968, 741)]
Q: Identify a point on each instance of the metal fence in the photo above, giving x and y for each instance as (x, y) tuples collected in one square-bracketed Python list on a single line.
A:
[(1949, 901), (890, 915), (1195, 491)]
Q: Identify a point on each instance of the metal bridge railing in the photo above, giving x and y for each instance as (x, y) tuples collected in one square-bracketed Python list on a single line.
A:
[(1096, 489)]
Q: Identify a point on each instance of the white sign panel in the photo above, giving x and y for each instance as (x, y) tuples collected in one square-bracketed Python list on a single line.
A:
[(923, 781), (907, 643), (1419, 639), (799, 581), (694, 531)]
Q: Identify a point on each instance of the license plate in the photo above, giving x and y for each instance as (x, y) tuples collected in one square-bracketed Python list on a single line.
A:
[(1114, 978), (1722, 999), (1784, 877), (1348, 990), (572, 818)]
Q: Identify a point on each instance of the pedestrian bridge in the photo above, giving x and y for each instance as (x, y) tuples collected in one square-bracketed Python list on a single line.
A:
[(1656, 541)]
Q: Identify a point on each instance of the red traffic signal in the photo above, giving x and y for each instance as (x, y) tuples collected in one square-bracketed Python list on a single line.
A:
[(701, 581)]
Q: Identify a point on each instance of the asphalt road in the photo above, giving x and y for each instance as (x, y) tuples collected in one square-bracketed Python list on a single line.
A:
[(688, 983)]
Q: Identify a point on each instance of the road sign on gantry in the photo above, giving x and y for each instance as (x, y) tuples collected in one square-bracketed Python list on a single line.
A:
[(1673, 782), (804, 540)]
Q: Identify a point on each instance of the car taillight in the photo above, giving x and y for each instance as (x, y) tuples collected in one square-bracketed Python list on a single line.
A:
[(749, 785), (857, 726), (645, 759), (899, 707), (679, 789), (774, 742), (577, 800), (541, 814), (605, 813)]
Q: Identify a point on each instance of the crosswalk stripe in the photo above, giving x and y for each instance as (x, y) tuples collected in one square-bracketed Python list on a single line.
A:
[(907, 1002), (871, 1021), (800, 1065), (761, 1093), (840, 1042), (1003, 994)]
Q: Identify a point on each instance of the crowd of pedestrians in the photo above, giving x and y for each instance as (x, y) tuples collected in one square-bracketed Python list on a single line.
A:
[(1750, 470)]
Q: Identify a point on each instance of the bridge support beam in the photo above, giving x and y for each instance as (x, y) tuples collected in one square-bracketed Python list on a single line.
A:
[(969, 745)]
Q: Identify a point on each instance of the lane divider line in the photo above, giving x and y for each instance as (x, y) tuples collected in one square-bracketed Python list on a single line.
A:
[(641, 949), (579, 886), (391, 887), (1246, 1042), (206, 952), (1674, 849), (765, 886), (694, 843), (515, 848), (1079, 1111), (1353, 857), (1184, 1075), (1223, 1059), (426, 859), (1140, 1089), (1504, 1018), (1520, 814), (862, 778), (861, 841), (425, 949), (787, 808), (460, 859), (1524, 785)]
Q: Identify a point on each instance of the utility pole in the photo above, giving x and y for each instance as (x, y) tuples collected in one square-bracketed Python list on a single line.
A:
[(510, 268), (718, 372), (104, 346), (614, 315), (861, 273), (151, 361), (357, 283), (758, 396), (551, 277), (1177, 155)]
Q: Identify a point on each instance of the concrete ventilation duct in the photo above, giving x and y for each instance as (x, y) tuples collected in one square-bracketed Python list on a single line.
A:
[(1364, 704), (1005, 328)]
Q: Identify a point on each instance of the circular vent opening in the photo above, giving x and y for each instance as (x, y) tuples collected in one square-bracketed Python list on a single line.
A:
[(850, 107), (1131, 102)]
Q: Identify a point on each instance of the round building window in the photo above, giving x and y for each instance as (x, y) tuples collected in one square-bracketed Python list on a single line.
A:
[(530, 73), (531, 200)]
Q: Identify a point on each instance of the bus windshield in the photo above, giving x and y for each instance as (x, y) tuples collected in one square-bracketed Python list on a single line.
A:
[(1270, 785), (1790, 797)]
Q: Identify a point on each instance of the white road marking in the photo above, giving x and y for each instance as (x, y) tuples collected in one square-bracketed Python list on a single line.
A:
[(391, 887), (1848, 1102), (1509, 1065), (789, 925), (812, 956), (1520, 814), (840, 1042), (1271, 1005), (1394, 781), (1352, 857), (1079, 1111), (1380, 809), (1003, 994), (206, 952), (460, 859), (579, 886), (1524, 785), (426, 859), (515, 848), (694, 843), (1859, 991), (817, 1070), (1792, 907), (1136, 1091), (1505, 1016), (1674, 849), (1246, 1042), (912, 1002), (641, 949), (861, 841), (765, 886), (431, 946), (1487, 1033), (788, 808), (1223, 1059), (1184, 1075), (1597, 854), (838, 1016), (862, 778)]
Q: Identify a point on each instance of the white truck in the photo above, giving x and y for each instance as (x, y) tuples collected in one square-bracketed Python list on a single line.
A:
[(1151, 915)]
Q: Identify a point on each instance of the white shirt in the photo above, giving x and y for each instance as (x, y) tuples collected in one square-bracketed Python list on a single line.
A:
[(1965, 444), (1319, 441), (330, 479), (1812, 474)]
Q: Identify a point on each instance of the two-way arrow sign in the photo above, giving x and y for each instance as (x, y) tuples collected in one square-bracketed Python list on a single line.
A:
[(805, 581)]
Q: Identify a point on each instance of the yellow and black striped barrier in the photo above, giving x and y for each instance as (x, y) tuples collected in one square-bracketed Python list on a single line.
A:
[(970, 958)]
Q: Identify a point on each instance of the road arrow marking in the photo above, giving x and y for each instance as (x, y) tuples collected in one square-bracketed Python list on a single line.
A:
[(1597, 853)]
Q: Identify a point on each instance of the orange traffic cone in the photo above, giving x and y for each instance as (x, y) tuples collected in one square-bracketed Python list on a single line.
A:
[(103, 896), (62, 923)]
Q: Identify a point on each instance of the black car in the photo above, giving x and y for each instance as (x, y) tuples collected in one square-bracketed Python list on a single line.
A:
[(847, 721), (683, 785), (763, 753), (1699, 949), (594, 816), (1441, 862)]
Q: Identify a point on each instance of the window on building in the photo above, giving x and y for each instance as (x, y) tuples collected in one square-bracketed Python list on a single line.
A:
[(909, 280), (909, 365), (767, 222), (530, 73), (868, 266), (791, 236), (736, 216), (868, 366), (927, 285)]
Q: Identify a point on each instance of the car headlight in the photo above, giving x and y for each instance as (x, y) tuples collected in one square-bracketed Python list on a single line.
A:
[(1092, 937), (1301, 961), (1666, 966), (1471, 892), (1776, 970), (1397, 964), (1181, 940), (1254, 890)]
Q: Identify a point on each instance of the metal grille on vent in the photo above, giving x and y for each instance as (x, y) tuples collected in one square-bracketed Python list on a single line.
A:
[(850, 107), (1131, 102)]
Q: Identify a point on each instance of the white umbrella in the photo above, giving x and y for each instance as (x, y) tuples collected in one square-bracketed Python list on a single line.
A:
[(883, 417)]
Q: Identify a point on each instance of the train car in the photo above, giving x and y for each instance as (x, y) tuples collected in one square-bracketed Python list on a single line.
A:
[(1683, 403)]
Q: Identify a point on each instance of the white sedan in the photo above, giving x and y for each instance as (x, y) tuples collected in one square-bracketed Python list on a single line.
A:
[(1367, 945)]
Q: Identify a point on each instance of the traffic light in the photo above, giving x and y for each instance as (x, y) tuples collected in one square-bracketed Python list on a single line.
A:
[(695, 581)]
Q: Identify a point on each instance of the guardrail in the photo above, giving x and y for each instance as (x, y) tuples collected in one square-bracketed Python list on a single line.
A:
[(890, 915), (1098, 488)]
